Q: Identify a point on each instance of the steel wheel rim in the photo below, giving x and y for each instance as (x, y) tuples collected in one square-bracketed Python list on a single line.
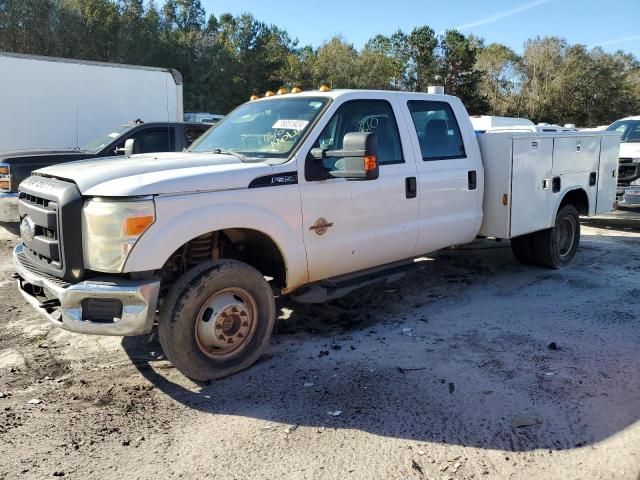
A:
[(226, 323), (565, 234)]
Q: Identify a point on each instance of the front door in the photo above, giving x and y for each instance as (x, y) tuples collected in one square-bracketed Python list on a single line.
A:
[(351, 225)]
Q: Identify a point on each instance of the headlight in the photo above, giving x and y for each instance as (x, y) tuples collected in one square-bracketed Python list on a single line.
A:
[(110, 229)]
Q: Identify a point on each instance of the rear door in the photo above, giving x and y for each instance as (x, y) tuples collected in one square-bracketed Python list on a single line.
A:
[(449, 174), (354, 225)]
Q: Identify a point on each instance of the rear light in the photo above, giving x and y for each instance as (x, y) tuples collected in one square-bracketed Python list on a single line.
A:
[(5, 180)]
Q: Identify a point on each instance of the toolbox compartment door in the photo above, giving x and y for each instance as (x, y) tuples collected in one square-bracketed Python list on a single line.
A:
[(532, 198), (573, 153), (607, 173)]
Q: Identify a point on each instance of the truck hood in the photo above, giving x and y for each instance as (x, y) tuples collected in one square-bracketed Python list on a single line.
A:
[(22, 155), (157, 173), (630, 150)]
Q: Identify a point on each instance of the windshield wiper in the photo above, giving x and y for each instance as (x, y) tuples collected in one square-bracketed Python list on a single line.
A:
[(222, 151)]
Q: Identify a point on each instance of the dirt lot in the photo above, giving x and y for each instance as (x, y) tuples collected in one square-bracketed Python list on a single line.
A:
[(449, 373)]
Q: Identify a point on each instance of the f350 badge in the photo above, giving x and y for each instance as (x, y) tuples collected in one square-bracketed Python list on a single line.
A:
[(321, 226)]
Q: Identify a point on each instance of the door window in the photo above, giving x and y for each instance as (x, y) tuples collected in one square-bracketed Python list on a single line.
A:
[(154, 140), (363, 116), (437, 129), (192, 133)]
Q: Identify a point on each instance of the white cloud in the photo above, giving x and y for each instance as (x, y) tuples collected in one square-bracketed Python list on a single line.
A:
[(615, 41), (500, 15)]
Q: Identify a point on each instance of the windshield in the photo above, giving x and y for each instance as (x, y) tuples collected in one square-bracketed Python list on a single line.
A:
[(99, 143), (630, 130), (263, 129)]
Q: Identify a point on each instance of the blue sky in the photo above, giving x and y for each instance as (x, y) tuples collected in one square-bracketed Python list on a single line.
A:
[(615, 25)]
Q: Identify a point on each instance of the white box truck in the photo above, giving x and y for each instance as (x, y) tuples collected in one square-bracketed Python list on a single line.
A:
[(49, 102), (310, 194)]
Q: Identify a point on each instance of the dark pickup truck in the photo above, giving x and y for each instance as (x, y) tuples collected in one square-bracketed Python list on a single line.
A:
[(133, 138)]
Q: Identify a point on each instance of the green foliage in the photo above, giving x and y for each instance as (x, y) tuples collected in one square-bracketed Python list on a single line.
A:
[(226, 59), (457, 69)]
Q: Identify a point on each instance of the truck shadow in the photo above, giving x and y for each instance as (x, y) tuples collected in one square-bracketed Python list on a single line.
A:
[(474, 350), (11, 227)]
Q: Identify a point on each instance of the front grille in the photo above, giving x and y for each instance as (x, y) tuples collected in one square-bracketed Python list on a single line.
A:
[(45, 244), (50, 212), (34, 269), (627, 172)]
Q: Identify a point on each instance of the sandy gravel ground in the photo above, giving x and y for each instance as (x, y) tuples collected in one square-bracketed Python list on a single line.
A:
[(448, 373)]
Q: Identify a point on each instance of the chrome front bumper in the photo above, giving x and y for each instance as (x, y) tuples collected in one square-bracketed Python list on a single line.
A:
[(9, 207), (631, 196), (61, 303)]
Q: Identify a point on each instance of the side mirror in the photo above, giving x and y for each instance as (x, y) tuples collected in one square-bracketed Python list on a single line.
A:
[(128, 148), (359, 157)]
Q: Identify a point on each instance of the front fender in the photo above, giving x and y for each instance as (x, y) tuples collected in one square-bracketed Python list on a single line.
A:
[(185, 217)]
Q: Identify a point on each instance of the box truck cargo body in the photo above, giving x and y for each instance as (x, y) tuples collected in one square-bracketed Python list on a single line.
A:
[(49, 102)]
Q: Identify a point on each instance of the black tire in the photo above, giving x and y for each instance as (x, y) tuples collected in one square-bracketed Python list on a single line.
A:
[(522, 248), (212, 286), (556, 246)]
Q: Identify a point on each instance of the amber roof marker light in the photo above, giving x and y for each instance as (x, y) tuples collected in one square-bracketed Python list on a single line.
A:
[(324, 88), (296, 90)]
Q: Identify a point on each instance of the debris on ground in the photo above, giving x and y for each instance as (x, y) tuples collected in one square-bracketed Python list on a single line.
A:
[(416, 466), (335, 413), (5, 394), (323, 353), (452, 387), (405, 370), (519, 422), (34, 401), (291, 429), (553, 346), (308, 384)]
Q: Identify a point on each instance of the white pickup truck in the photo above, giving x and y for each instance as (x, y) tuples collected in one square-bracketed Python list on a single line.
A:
[(310, 194)]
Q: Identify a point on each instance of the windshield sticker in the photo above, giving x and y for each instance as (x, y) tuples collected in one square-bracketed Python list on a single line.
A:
[(290, 124), (114, 135), (281, 136)]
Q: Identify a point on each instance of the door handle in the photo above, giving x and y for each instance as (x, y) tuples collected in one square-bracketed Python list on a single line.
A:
[(411, 187), (472, 178)]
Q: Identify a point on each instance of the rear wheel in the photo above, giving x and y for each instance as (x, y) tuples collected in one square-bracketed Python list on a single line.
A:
[(522, 248), (217, 319), (556, 246)]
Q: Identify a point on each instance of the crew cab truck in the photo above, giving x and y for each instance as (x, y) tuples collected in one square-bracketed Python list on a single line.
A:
[(132, 138), (306, 194)]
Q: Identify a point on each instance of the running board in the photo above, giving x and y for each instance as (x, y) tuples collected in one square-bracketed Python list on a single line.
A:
[(332, 289)]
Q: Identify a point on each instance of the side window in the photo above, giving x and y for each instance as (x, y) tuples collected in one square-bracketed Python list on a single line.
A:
[(363, 116), (437, 130), (155, 140), (192, 133)]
